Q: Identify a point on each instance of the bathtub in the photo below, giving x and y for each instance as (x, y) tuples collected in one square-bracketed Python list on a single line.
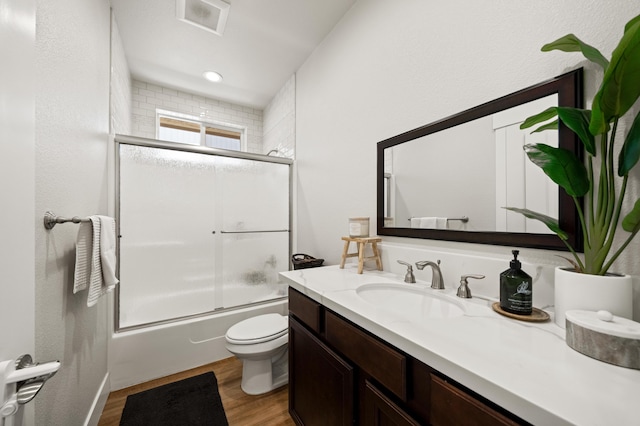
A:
[(143, 354)]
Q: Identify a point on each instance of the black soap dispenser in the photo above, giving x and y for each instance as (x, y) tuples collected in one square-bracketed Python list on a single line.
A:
[(516, 291)]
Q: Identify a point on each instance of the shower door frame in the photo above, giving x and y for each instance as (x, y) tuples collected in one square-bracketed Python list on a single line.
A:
[(153, 143)]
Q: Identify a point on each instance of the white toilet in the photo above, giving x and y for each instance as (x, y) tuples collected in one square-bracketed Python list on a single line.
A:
[(262, 344)]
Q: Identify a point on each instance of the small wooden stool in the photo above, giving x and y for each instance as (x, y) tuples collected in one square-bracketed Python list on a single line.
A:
[(361, 243)]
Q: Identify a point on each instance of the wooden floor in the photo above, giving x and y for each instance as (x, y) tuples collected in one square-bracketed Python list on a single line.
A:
[(241, 409)]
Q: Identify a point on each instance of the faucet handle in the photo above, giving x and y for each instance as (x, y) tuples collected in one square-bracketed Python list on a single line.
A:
[(463, 290), (409, 277)]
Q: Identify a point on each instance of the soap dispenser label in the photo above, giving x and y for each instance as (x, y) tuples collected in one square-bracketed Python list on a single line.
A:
[(523, 288), (519, 302)]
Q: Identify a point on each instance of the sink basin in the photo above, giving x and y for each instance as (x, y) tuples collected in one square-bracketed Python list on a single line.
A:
[(413, 303)]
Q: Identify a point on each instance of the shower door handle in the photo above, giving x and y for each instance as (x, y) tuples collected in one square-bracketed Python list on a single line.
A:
[(253, 232)]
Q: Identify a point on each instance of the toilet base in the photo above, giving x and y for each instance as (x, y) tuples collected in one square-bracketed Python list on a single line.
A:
[(262, 376)]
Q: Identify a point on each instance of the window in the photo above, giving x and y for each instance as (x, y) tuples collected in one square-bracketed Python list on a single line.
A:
[(188, 130)]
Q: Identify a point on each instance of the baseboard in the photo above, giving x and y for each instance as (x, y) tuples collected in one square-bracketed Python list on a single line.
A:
[(100, 400)]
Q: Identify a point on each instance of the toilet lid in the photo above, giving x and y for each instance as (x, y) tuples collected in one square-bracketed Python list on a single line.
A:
[(258, 329)]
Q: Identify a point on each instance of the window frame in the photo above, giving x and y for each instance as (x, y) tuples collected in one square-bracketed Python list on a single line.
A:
[(222, 128)]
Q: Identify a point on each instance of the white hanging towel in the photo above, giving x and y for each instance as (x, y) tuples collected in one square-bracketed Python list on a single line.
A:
[(433, 222), (96, 257), (84, 247)]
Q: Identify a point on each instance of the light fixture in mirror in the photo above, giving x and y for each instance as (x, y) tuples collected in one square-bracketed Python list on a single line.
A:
[(449, 180)]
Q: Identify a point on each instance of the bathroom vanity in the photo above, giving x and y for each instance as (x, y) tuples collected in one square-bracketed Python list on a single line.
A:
[(361, 352)]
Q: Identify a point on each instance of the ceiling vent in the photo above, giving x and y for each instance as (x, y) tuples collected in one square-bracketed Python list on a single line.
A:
[(210, 15)]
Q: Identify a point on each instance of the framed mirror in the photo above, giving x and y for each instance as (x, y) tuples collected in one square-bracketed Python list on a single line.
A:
[(449, 180)]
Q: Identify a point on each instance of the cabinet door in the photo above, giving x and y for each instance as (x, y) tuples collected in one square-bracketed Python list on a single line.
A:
[(451, 406), (380, 410), (320, 383)]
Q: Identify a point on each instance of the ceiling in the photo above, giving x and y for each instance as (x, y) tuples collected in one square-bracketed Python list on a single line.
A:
[(264, 43)]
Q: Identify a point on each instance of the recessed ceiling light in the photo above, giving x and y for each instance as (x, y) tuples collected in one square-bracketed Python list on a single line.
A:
[(212, 76)]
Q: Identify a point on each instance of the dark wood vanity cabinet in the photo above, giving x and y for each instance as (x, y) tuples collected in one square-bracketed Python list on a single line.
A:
[(322, 391), (340, 374)]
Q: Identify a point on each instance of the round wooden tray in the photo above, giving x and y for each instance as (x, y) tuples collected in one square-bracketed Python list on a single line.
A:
[(537, 315)]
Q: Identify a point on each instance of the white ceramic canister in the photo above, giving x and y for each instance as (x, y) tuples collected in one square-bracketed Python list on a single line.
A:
[(359, 227)]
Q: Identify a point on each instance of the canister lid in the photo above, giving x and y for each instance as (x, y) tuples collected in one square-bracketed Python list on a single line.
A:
[(604, 322)]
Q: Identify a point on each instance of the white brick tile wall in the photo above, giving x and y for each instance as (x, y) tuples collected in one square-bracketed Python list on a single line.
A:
[(121, 97), (279, 121), (147, 97)]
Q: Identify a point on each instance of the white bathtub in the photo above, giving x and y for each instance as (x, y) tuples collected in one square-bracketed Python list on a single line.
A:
[(140, 355)]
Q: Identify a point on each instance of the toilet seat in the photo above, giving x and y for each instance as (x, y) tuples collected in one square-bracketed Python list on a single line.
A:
[(262, 328)]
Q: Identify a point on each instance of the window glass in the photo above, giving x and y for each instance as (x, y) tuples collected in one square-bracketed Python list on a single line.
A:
[(220, 138), (199, 133)]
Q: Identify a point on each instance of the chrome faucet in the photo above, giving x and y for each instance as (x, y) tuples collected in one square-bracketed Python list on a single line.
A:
[(436, 280), (409, 277)]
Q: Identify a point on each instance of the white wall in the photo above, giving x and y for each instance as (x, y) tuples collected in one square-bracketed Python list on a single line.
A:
[(387, 68), (148, 97), (72, 129), (17, 162)]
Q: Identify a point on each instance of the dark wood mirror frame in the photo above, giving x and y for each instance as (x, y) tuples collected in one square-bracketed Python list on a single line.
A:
[(569, 88)]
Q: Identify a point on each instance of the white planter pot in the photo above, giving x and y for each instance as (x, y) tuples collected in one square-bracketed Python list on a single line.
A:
[(613, 293)]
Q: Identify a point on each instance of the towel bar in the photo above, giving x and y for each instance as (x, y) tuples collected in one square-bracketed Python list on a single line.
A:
[(50, 219), (463, 219)]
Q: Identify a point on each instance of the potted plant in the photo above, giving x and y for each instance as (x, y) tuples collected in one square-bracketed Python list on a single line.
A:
[(597, 180)]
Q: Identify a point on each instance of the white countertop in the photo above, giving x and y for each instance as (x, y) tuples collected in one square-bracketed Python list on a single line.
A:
[(525, 367)]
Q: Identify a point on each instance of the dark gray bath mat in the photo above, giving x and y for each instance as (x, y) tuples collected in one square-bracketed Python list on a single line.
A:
[(190, 402)]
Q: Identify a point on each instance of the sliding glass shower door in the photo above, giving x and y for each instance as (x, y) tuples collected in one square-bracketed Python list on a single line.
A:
[(254, 225), (199, 232)]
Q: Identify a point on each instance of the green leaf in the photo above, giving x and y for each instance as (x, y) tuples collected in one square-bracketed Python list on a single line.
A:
[(571, 43), (631, 222), (551, 223), (578, 121), (545, 115), (562, 166), (620, 86), (576, 267), (630, 152), (549, 126), (574, 118), (631, 23)]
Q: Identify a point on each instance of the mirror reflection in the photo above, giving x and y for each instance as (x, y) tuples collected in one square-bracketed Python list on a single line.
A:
[(490, 171), (451, 179)]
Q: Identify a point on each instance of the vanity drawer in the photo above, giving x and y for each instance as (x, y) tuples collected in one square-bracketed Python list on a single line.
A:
[(451, 406), (382, 362), (307, 310)]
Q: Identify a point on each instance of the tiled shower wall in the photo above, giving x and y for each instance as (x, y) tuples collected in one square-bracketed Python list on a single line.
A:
[(148, 97), (280, 121), (120, 86)]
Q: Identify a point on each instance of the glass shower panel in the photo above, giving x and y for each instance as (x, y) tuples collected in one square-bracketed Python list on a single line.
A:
[(255, 228), (254, 195), (167, 248), (250, 263)]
